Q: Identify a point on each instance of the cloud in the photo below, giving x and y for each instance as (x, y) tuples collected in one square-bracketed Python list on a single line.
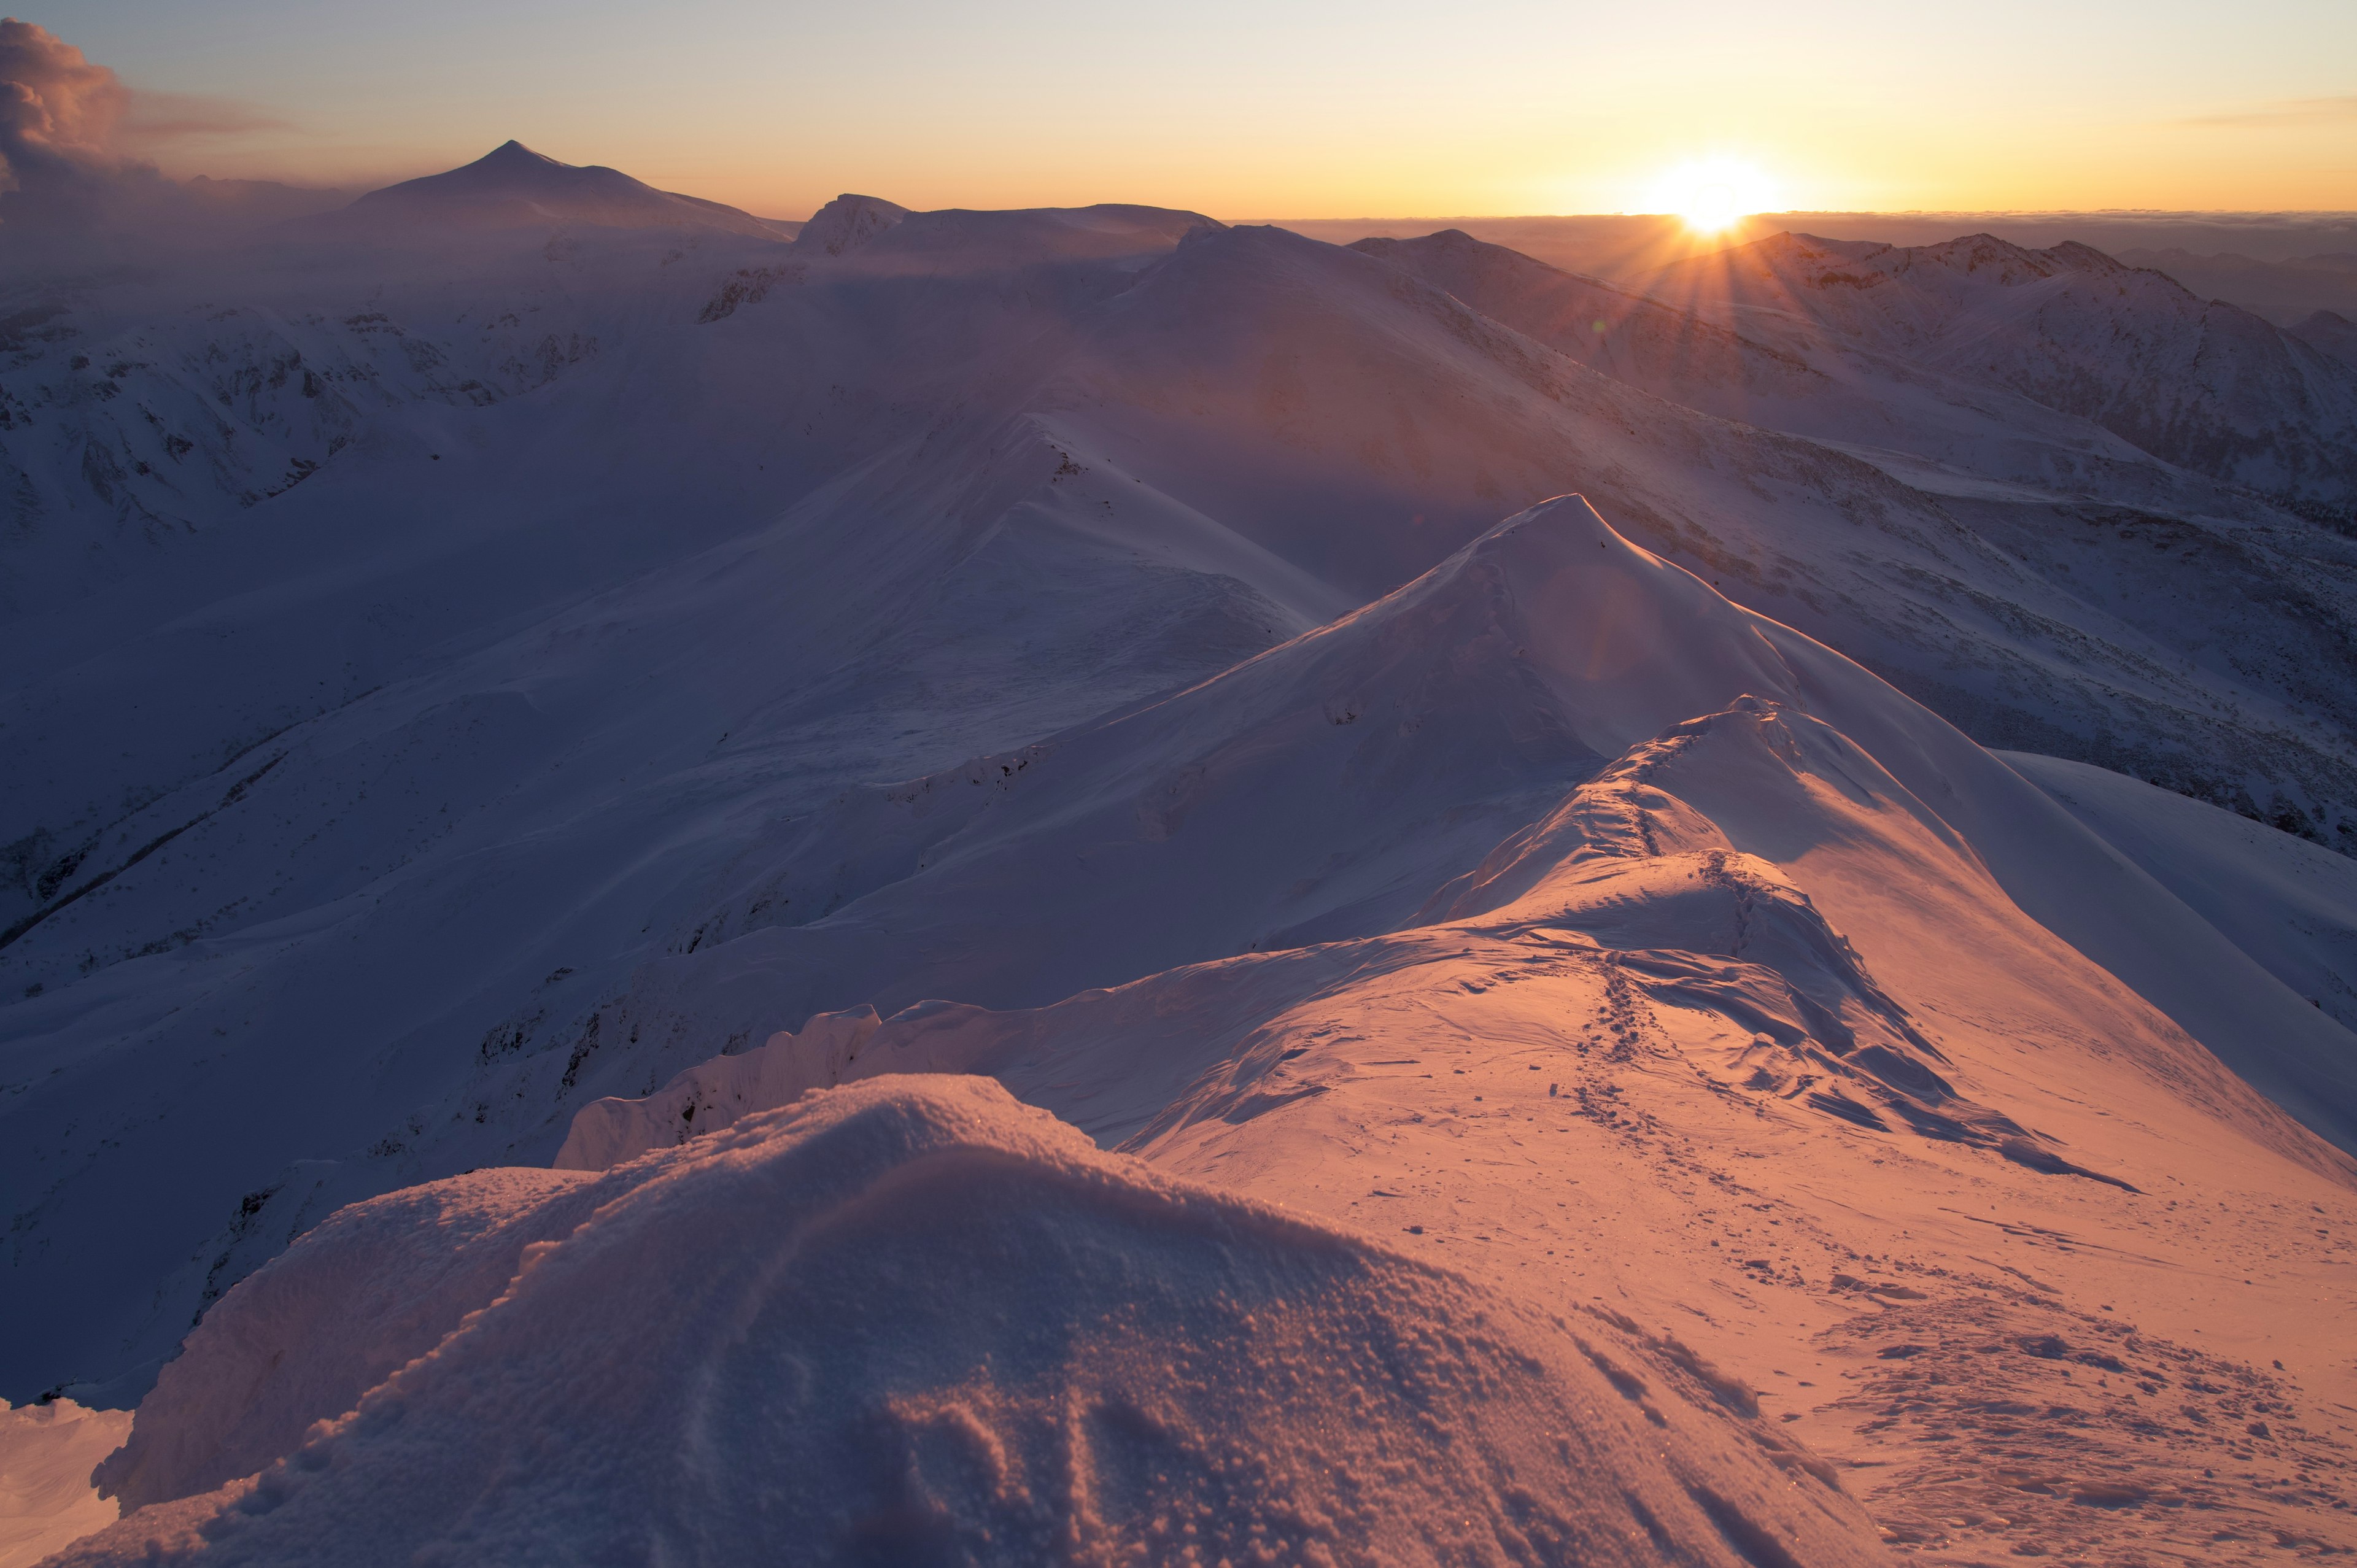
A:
[(56, 107), (2290, 112), (162, 116), (71, 133)]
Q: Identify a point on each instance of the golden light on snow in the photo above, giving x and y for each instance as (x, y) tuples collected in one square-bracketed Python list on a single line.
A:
[(1712, 193)]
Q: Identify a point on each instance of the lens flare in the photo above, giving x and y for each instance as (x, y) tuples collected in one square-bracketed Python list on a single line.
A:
[(1712, 193)]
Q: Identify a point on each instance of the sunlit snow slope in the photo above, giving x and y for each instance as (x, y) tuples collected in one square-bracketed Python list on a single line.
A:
[(534, 683), (915, 1322)]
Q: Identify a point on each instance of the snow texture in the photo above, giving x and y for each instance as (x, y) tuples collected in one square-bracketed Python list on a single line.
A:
[(968, 1337), (46, 1454)]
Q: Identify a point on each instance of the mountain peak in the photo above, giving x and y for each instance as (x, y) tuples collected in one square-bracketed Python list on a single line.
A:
[(514, 186), (849, 221), (512, 154)]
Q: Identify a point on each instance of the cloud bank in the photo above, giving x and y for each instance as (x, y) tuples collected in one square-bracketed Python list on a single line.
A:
[(70, 129), (59, 113)]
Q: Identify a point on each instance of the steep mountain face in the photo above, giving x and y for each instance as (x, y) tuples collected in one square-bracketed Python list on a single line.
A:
[(2204, 386), (514, 187)]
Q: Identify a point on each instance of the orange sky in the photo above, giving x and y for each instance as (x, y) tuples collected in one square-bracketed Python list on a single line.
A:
[(1280, 107)]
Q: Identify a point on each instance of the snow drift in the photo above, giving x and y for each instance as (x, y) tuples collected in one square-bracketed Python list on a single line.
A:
[(914, 1322)]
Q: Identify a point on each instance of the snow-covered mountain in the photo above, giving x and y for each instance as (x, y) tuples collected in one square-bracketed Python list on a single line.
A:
[(2048, 500), (2284, 291), (1082, 647), (513, 186), (2202, 384)]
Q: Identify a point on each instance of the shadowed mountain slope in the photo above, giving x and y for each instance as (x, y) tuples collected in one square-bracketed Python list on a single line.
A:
[(2205, 385)]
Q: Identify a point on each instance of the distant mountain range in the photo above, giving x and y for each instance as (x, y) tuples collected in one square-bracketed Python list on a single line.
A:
[(2285, 292), (2206, 385)]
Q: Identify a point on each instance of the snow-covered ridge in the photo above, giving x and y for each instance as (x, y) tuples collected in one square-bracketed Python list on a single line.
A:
[(1360, 780), (985, 1337)]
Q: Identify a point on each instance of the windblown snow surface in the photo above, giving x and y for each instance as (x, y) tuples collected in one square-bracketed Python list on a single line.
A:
[(47, 1452), (913, 1321), (1013, 886)]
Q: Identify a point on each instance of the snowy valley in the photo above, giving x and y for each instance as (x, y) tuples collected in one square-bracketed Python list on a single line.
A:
[(1448, 912)]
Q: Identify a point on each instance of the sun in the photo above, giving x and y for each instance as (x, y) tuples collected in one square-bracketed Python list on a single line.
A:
[(1711, 194)]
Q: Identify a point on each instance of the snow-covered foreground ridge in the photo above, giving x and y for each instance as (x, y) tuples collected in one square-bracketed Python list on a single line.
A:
[(914, 1321), (689, 667), (1744, 968)]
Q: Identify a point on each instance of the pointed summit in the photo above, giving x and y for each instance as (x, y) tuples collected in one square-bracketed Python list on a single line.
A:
[(514, 187), (512, 152)]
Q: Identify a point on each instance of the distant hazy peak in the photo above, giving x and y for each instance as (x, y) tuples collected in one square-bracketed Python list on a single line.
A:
[(1792, 243), (1449, 258), (513, 167), (1439, 239), (513, 185), (1453, 243), (849, 222)]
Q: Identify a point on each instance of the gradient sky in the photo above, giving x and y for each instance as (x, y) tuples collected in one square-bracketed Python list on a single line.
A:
[(1264, 108)]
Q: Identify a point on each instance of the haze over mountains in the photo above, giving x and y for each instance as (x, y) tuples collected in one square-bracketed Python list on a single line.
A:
[(1471, 783)]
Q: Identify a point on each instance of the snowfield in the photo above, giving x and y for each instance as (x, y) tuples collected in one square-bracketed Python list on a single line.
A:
[(1079, 885)]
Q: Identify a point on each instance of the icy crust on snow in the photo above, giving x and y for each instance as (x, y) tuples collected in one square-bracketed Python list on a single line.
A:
[(912, 1321)]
